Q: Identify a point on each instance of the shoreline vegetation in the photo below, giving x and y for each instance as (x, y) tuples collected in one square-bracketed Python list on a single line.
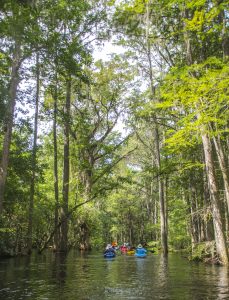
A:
[(204, 252)]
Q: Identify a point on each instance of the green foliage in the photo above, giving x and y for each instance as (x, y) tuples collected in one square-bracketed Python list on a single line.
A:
[(199, 90), (178, 235), (119, 173)]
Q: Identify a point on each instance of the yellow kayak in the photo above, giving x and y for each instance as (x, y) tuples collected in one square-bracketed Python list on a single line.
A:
[(130, 252)]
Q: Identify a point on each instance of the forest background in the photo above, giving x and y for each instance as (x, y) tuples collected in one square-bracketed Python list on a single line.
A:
[(68, 177)]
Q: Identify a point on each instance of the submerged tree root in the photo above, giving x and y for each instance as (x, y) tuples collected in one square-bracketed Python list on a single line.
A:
[(213, 260), (206, 252)]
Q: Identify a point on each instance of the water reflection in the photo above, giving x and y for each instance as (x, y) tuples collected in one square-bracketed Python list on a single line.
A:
[(223, 283), (59, 267), (162, 277), (88, 276)]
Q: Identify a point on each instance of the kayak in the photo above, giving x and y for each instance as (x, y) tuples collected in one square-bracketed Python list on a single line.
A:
[(141, 255), (130, 252), (140, 252), (109, 254), (123, 249)]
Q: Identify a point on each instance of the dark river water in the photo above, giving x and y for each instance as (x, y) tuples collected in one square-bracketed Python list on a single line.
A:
[(92, 277)]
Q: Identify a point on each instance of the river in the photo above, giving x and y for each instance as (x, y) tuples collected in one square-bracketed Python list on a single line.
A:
[(89, 276)]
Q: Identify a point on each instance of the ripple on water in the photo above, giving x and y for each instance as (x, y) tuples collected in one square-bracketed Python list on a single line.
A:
[(91, 277)]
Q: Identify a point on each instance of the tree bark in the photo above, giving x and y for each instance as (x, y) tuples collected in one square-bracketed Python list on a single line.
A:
[(34, 159), (55, 167), (65, 191), (194, 217), (224, 33), (187, 40), (223, 168), (9, 119), (221, 246)]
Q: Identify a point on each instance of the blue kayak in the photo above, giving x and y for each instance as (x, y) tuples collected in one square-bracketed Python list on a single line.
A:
[(142, 255), (140, 252), (109, 254)]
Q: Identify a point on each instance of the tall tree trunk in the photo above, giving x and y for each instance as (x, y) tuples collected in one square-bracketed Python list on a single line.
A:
[(223, 167), (194, 216), (155, 208), (85, 236), (187, 40), (209, 235), (226, 221), (163, 215), (9, 119), (202, 219), (209, 230), (224, 32), (217, 219), (166, 184), (55, 167), (64, 207), (190, 228), (34, 159)]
